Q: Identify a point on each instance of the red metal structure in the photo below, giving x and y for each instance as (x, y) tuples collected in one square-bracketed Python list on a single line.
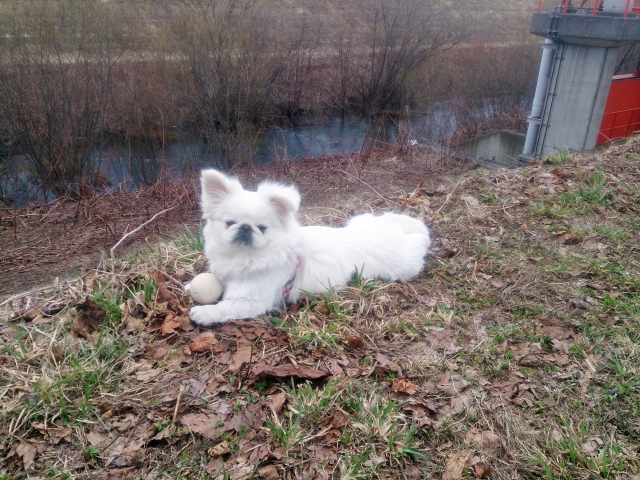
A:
[(580, 6), (622, 112), (621, 117)]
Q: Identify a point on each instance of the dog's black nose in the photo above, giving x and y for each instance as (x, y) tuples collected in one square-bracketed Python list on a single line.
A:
[(244, 235)]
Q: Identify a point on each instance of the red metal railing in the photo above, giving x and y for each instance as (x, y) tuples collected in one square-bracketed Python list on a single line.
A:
[(619, 125), (621, 116), (566, 4), (596, 4)]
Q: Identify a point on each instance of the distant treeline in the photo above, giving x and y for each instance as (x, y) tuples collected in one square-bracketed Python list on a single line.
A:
[(76, 74)]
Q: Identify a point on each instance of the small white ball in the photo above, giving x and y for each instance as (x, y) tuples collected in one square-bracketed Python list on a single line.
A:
[(205, 288)]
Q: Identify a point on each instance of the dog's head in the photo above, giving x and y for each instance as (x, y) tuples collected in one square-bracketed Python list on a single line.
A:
[(247, 219)]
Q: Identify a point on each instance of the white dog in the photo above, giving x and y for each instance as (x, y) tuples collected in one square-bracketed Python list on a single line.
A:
[(263, 257)]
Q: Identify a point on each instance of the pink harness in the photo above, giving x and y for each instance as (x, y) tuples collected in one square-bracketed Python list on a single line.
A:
[(288, 287)]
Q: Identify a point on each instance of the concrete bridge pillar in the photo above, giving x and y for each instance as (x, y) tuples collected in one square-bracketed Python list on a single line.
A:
[(576, 98), (583, 66)]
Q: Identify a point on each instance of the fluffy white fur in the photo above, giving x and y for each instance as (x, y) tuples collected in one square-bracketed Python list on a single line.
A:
[(253, 242)]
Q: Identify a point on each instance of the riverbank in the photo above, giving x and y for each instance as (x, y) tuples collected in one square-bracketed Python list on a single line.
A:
[(44, 242)]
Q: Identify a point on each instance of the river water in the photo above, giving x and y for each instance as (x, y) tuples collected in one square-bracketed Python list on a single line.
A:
[(126, 167)]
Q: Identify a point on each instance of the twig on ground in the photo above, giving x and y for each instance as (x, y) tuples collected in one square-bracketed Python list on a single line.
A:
[(102, 424), (175, 410), (365, 184), (30, 293), (448, 196), (112, 251)]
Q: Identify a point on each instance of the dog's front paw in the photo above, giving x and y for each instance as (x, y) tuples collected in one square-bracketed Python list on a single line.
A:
[(203, 315), (199, 316)]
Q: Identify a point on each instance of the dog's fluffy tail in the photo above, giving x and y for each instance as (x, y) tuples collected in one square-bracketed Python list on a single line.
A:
[(412, 248), (409, 224)]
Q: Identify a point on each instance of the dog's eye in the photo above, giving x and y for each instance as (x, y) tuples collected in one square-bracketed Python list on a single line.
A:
[(230, 222), (262, 228)]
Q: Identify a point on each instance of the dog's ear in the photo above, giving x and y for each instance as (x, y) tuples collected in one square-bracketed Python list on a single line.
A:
[(284, 199), (216, 186)]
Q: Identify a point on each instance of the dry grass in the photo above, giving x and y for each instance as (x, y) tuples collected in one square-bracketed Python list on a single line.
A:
[(513, 355)]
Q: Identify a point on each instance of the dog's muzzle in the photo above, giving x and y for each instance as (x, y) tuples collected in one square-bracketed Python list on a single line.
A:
[(244, 235)]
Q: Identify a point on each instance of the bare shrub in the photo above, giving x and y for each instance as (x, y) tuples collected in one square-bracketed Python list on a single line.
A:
[(304, 44), (150, 109), (487, 87), (55, 87), (79, 76), (391, 39), (234, 55)]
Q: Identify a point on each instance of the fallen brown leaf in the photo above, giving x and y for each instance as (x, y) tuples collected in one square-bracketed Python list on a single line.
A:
[(294, 308), (322, 308), (158, 350), (206, 342), (428, 301), (146, 375), (387, 364), (223, 409), (215, 467), (27, 452), (441, 337), (251, 415), (403, 385), (218, 384), (170, 324), (165, 433), (335, 420), (357, 343), (50, 308), (89, 319), (163, 292), (421, 409), (276, 402), (332, 436), (269, 472), (55, 435), (451, 384), (320, 352), (320, 455), (288, 370), (413, 472), (570, 238), (95, 437), (482, 471), (592, 445), (601, 286), (447, 252), (486, 441), (460, 403), (242, 355), (93, 313), (219, 449), (205, 424), (457, 463)]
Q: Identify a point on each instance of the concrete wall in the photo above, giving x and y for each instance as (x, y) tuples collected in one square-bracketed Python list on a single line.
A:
[(598, 31), (504, 145), (576, 98)]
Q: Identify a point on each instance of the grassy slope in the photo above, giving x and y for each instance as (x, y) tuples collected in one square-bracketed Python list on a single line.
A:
[(514, 353)]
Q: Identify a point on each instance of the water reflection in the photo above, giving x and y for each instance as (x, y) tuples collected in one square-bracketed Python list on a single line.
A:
[(127, 167)]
